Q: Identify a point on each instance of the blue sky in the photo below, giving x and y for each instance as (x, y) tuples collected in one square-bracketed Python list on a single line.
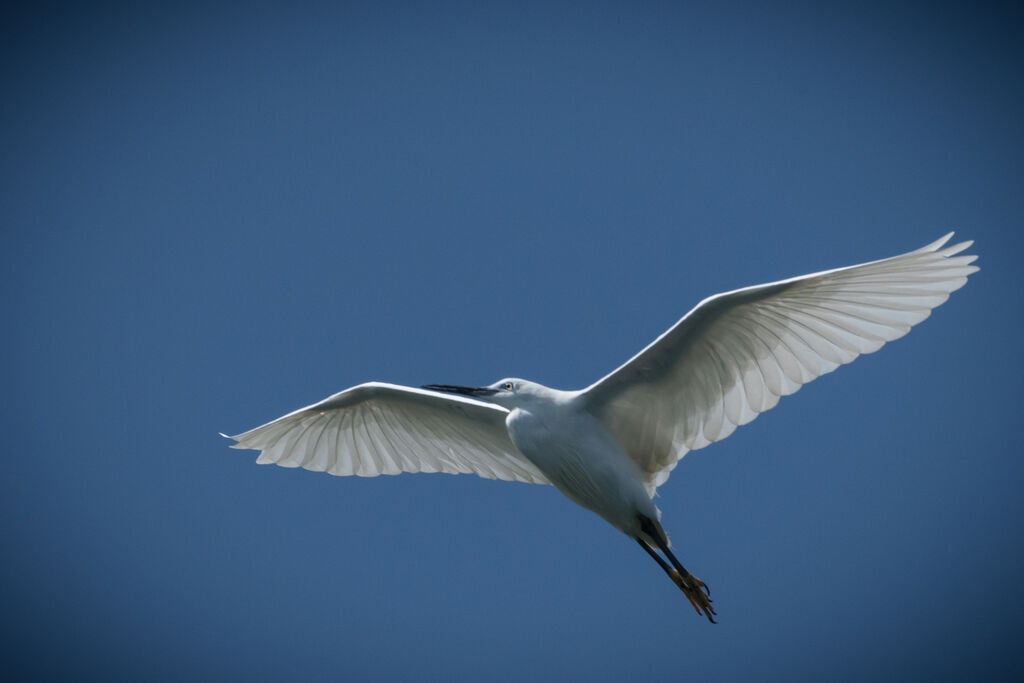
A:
[(213, 214)]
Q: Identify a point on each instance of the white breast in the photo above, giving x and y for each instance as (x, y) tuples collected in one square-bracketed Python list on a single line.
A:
[(578, 455)]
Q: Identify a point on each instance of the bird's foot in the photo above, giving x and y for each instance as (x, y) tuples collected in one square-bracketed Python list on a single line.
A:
[(696, 591)]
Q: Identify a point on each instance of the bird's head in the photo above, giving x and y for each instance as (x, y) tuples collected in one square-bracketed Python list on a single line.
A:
[(508, 392)]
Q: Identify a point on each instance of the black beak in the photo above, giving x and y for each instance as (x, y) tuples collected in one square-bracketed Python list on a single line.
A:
[(468, 391)]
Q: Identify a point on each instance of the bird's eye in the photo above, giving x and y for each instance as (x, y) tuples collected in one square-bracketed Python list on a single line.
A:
[(507, 386)]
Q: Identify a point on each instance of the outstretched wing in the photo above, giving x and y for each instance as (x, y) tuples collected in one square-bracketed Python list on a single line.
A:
[(736, 353), (378, 428)]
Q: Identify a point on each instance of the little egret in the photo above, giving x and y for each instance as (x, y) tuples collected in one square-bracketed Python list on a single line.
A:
[(608, 447)]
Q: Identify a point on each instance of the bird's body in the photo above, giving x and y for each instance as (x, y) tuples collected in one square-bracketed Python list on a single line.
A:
[(609, 446), (578, 456)]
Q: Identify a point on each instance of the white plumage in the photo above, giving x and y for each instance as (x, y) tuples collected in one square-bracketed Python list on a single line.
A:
[(377, 428), (609, 446)]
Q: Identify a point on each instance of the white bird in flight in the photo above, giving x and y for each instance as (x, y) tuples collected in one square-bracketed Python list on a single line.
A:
[(608, 447)]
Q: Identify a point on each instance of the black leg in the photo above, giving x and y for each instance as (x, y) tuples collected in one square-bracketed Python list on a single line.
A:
[(656, 556), (687, 582)]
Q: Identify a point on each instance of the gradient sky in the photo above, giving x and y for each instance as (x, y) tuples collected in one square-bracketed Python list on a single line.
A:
[(215, 214)]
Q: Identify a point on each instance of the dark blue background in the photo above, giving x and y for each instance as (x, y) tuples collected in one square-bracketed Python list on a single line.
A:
[(214, 214)]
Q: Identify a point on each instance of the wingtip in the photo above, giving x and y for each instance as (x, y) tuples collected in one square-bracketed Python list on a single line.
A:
[(954, 249), (937, 244), (232, 438)]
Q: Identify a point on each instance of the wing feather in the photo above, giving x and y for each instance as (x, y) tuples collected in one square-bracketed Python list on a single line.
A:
[(378, 428), (735, 354)]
